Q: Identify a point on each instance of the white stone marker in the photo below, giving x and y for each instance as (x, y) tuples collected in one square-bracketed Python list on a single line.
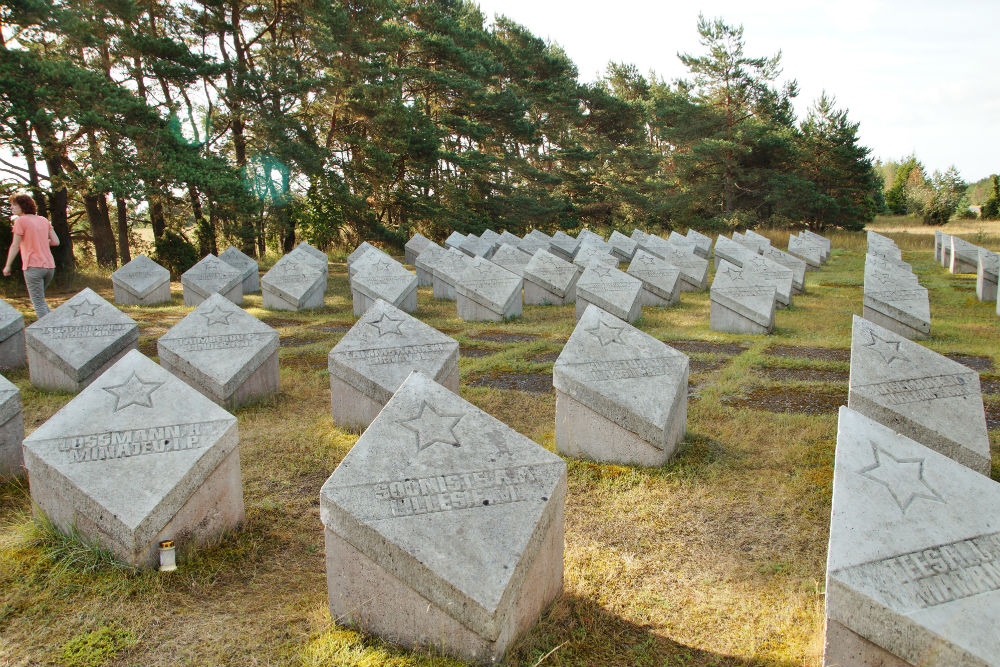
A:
[(797, 266), (986, 275), (141, 282), (474, 246), (317, 256), (898, 305), (443, 526), (654, 244), (919, 393), (12, 347), (447, 270), (137, 458), (621, 395), (731, 251), (358, 253), (913, 567), (694, 269), (683, 243), (549, 280), (373, 256), (610, 289), (589, 254), (11, 430), (492, 237), (293, 284), (703, 243), (509, 239), (938, 240), (416, 245), (883, 245), (759, 241), (209, 276), (807, 251), (564, 246), (224, 352), (425, 277), (740, 304), (535, 241), (377, 354), (623, 246), (964, 256), (661, 281), (385, 279), (586, 234), (247, 265), (945, 258), (880, 270), (763, 271), (454, 240), (511, 258), (76, 342), (487, 292), (819, 239)]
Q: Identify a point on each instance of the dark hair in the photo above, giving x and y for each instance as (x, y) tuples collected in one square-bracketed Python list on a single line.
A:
[(26, 203)]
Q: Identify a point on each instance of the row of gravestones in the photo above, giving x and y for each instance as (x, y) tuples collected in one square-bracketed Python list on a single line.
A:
[(960, 256), (913, 566), (893, 297)]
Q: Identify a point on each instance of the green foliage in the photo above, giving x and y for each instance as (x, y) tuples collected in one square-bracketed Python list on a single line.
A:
[(96, 648), (175, 252), (948, 190), (991, 207)]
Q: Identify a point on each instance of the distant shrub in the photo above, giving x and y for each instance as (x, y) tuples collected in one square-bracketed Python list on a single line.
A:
[(175, 253)]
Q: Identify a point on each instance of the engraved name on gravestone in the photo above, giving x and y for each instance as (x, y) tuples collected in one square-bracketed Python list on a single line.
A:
[(13, 353), (913, 567), (740, 304), (878, 269), (137, 458), (819, 239), (377, 354), (425, 275), (511, 258), (897, 304), (224, 352), (141, 282), (11, 430), (964, 256), (549, 280), (488, 292), (76, 342), (209, 276), (292, 284), (416, 245), (765, 272), (919, 393), (610, 289), (443, 527), (987, 267), (621, 395), (808, 252), (661, 282), (247, 266), (385, 279), (623, 246)]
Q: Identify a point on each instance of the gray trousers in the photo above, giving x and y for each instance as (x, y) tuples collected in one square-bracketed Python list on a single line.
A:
[(37, 279)]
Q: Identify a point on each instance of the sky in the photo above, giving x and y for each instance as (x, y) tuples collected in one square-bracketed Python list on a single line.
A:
[(920, 77)]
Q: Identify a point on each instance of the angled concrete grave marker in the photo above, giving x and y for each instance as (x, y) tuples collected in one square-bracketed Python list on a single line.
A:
[(549, 280), (511, 258), (475, 246), (623, 247), (487, 292), (13, 353), (683, 243), (763, 271), (938, 240), (703, 243), (739, 303), (293, 284), (913, 568), (987, 267), (732, 252), (808, 252), (564, 246), (11, 430), (209, 276), (897, 304), (247, 265), (586, 234), (621, 395), (425, 276), (454, 240), (819, 239), (224, 352), (492, 237), (137, 458), (358, 253), (945, 256), (758, 241), (141, 282), (590, 254), (612, 290), (446, 270), (416, 245), (919, 393), (385, 279), (314, 255), (694, 269), (432, 477), (797, 266), (964, 256), (661, 281), (654, 244), (534, 241), (377, 354), (509, 239), (373, 256), (76, 342)]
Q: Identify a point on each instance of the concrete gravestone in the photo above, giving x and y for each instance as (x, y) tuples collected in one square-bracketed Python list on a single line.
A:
[(986, 275), (564, 246), (612, 290), (385, 279), (808, 252), (293, 284), (549, 280), (12, 347), (739, 304), (661, 282), (511, 258), (534, 241), (447, 272), (11, 430), (964, 256), (703, 243), (913, 568), (357, 254), (224, 352), (209, 276), (945, 255), (919, 393), (765, 272), (896, 303), (137, 458), (425, 274), (377, 354), (822, 241), (247, 265), (486, 291), (454, 240), (372, 256), (141, 282), (444, 527), (475, 246), (73, 344), (314, 255), (416, 245), (624, 247), (683, 243), (797, 266), (621, 395), (735, 253), (590, 254), (938, 240), (694, 269), (509, 239)]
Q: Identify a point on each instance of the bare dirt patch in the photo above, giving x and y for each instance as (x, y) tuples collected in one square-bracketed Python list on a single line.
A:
[(972, 361), (692, 346), (545, 357), (805, 374), (800, 401), (280, 322), (504, 337), (296, 341), (821, 353), (705, 365), (991, 386), (474, 352), (992, 417), (333, 327), (536, 383)]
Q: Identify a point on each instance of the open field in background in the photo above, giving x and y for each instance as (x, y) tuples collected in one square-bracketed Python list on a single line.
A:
[(716, 558)]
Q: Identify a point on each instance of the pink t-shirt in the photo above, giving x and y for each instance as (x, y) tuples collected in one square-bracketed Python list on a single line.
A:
[(34, 233)]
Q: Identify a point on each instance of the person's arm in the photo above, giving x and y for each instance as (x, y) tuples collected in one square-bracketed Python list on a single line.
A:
[(53, 239), (15, 247)]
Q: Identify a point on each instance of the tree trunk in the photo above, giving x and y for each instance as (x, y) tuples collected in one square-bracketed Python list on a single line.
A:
[(104, 237), (58, 216), (123, 248), (204, 229), (156, 217), (28, 148)]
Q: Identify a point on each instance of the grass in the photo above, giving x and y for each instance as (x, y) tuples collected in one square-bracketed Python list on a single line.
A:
[(716, 558)]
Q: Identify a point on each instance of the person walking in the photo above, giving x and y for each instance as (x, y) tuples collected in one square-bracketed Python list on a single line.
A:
[(33, 236)]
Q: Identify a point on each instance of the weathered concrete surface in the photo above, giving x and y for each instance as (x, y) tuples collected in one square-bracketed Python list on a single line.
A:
[(964, 256), (763, 271), (610, 289), (807, 251), (433, 476), (534, 241), (486, 291), (373, 256), (550, 280), (358, 253), (740, 304), (591, 254), (13, 353), (11, 430), (693, 269), (385, 279), (703, 244), (731, 251), (474, 246), (792, 262), (293, 284), (416, 245), (247, 265), (661, 282), (141, 282), (425, 275), (986, 275), (821, 240), (898, 305), (511, 258), (454, 240), (209, 276), (564, 246), (447, 272), (624, 247)]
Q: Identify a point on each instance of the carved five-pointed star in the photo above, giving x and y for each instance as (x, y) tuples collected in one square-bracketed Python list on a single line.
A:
[(382, 265), (887, 349), (84, 308), (600, 269), (903, 478), (548, 261), (216, 316), (133, 391), (758, 263), (432, 426), (482, 270), (734, 274), (647, 261), (606, 333), (387, 325)]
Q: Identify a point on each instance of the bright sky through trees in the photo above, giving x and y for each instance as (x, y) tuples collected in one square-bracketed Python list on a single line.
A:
[(920, 76)]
